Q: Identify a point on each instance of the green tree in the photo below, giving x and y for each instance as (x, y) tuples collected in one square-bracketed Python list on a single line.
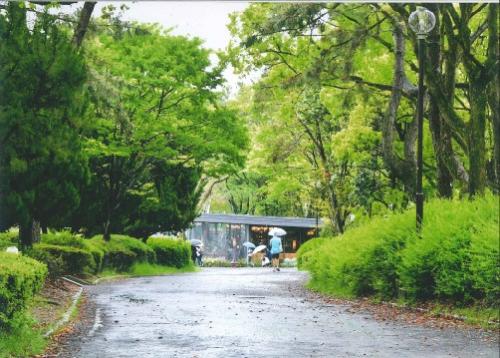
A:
[(361, 60), (159, 129), (41, 161)]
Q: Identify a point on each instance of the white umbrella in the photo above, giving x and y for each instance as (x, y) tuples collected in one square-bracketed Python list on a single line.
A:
[(259, 249), (277, 231), (249, 245)]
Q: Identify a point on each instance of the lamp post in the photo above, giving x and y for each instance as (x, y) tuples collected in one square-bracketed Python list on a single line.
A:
[(421, 21)]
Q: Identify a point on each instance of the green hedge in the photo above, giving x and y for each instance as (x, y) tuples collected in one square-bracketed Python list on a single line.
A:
[(8, 238), (171, 252), (307, 250), (67, 253), (63, 259), (121, 252), (20, 279), (454, 260), (457, 257), (66, 238)]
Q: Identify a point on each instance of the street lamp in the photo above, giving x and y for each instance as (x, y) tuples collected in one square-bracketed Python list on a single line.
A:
[(421, 21)]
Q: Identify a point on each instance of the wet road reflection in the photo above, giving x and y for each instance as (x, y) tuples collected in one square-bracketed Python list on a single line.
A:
[(250, 313)]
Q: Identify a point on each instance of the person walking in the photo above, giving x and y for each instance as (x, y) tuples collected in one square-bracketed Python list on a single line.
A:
[(193, 254), (199, 256), (276, 249)]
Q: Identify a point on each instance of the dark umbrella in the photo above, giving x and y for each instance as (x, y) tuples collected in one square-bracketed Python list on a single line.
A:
[(195, 242)]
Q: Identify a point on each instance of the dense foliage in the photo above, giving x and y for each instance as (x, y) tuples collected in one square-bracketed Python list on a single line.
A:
[(121, 251), (171, 252), (130, 131), (20, 279), (333, 113), (68, 241), (454, 260), (63, 259), (41, 159), (8, 238), (67, 253), (118, 133), (159, 130)]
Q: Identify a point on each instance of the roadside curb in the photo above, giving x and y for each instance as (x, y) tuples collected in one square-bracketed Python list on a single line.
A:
[(110, 278), (402, 307), (65, 318), (437, 314)]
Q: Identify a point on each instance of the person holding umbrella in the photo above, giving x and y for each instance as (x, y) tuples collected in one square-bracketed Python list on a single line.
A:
[(250, 247), (276, 247), (258, 249), (196, 251)]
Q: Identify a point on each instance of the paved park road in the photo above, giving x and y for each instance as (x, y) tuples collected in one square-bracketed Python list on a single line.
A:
[(249, 313)]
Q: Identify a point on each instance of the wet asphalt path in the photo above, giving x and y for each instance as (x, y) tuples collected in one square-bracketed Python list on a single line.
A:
[(249, 313)]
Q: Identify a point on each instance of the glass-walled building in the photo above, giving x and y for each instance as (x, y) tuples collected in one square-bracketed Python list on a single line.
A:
[(223, 235)]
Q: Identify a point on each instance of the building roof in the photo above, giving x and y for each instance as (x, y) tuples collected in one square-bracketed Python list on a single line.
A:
[(258, 220)]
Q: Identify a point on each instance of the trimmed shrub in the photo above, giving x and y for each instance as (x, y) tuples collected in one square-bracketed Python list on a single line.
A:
[(63, 259), (66, 238), (171, 252), (55, 264), (306, 248), (454, 260), (484, 265), (361, 262), (97, 253), (20, 279), (121, 252), (8, 238), (142, 251), (63, 238)]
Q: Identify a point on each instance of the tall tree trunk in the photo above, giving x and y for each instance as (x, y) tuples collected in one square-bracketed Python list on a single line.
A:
[(441, 140), (476, 74), (444, 123), (37, 232), (494, 99), (335, 210), (494, 91), (26, 235), (404, 170), (313, 128), (83, 22), (476, 134), (479, 76), (107, 230)]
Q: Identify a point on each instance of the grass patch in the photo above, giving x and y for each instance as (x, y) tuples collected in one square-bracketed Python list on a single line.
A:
[(144, 269), (75, 310), (213, 262), (486, 317), (333, 292), (22, 339)]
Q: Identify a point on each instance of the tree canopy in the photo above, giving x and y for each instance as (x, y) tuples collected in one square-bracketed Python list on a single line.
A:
[(334, 110), (108, 126)]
